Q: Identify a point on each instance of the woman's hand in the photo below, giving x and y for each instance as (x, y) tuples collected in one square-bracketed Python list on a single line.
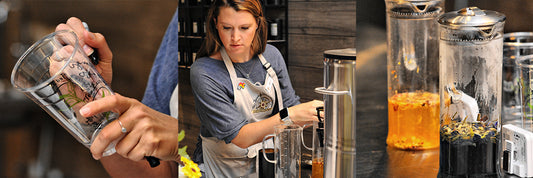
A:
[(89, 41), (305, 113), (149, 133)]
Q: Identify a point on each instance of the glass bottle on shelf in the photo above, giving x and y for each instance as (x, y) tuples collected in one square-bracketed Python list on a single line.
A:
[(195, 28)]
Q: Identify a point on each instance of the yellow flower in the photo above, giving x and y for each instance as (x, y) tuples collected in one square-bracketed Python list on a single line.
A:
[(190, 169)]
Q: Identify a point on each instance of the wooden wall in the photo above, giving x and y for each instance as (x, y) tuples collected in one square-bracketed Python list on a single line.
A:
[(316, 26)]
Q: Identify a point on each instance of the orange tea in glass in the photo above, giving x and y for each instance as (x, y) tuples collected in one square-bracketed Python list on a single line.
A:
[(317, 170), (414, 121)]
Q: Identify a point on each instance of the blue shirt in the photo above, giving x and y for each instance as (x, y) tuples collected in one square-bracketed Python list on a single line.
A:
[(164, 74)]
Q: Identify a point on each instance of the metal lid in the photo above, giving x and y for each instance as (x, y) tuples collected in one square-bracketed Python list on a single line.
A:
[(471, 16), (400, 8), (346, 54)]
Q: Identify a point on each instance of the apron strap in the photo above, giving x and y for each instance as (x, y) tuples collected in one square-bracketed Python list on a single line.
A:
[(273, 75), (229, 66)]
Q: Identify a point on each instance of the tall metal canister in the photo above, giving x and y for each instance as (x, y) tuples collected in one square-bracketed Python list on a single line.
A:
[(471, 48), (413, 73), (339, 112)]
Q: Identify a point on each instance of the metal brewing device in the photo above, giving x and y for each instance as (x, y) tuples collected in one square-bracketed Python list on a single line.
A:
[(339, 108)]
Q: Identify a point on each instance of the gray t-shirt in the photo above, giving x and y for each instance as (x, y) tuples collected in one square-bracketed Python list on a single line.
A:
[(213, 92)]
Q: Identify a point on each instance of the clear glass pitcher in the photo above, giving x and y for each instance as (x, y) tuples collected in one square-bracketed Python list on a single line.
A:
[(413, 73), (287, 150)]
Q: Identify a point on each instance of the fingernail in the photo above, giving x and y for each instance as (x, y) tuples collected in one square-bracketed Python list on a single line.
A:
[(87, 49), (91, 35), (94, 157), (84, 111)]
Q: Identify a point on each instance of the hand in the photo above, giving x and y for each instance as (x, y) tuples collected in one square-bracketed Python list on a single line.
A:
[(305, 113), (149, 133), (89, 40)]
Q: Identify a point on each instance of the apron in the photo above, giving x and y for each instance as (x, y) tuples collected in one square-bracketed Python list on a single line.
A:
[(256, 102)]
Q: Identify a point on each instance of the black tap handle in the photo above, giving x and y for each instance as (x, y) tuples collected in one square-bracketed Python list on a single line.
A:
[(318, 109), (153, 161), (320, 129)]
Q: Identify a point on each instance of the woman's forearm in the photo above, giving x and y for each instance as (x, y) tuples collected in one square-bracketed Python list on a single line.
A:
[(253, 133)]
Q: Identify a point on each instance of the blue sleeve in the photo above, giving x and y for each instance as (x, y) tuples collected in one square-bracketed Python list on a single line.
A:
[(164, 74), (213, 94)]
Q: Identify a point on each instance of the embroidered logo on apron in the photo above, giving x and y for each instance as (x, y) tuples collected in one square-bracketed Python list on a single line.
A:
[(241, 86), (262, 103)]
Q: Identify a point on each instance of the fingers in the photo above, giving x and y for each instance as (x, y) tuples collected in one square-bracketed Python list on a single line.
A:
[(137, 143), (149, 133), (98, 41), (116, 103), (317, 103), (127, 144), (75, 25), (112, 131), (94, 40), (104, 67), (88, 41)]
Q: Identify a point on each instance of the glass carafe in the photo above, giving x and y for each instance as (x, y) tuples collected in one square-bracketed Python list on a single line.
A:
[(287, 150), (413, 73), (471, 48)]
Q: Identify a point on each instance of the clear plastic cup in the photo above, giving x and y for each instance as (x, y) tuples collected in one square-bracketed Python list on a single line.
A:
[(57, 75)]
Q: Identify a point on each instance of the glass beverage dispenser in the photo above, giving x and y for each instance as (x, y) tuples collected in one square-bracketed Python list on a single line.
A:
[(413, 73), (471, 48), (339, 112)]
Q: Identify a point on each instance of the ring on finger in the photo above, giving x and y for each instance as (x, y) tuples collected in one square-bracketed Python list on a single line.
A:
[(122, 128)]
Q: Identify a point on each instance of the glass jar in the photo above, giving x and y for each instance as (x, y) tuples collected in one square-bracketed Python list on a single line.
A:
[(471, 48), (413, 73)]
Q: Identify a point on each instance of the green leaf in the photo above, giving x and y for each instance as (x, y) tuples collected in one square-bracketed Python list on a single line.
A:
[(181, 135), (183, 152)]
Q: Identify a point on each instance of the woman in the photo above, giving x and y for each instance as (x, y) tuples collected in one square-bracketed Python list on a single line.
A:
[(240, 84)]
